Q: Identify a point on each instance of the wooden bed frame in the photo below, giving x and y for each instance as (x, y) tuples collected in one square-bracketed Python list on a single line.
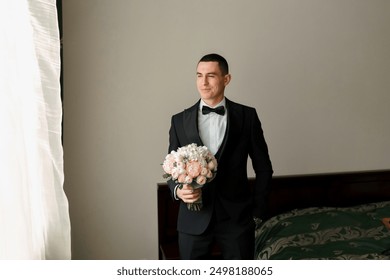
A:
[(287, 193)]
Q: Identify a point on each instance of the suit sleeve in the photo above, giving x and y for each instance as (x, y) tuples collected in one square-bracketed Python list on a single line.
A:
[(262, 166), (173, 146)]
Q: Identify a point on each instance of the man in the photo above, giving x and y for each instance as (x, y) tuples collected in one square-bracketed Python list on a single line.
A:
[(232, 133)]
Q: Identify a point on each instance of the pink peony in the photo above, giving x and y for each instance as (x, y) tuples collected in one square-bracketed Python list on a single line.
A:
[(204, 171), (169, 163), (201, 180), (193, 169), (211, 165), (181, 179), (175, 173)]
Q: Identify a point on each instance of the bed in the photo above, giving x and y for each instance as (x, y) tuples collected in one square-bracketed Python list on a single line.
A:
[(311, 216), (359, 232)]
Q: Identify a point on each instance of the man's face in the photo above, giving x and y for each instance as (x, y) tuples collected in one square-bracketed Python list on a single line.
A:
[(211, 82)]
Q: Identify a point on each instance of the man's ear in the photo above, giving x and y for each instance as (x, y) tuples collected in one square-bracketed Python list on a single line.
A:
[(227, 79)]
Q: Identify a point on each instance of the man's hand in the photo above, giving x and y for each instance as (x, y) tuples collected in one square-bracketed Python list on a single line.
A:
[(188, 194)]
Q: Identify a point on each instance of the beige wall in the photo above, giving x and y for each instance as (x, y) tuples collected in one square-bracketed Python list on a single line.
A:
[(317, 72)]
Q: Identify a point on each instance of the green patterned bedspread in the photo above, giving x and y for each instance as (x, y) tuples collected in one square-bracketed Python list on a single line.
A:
[(326, 233)]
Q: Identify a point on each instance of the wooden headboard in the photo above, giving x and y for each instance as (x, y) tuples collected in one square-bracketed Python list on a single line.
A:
[(287, 193)]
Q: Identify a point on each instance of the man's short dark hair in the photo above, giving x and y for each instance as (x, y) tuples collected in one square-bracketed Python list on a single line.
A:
[(213, 57)]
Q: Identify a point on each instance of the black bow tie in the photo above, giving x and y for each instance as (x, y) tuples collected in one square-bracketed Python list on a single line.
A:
[(219, 110)]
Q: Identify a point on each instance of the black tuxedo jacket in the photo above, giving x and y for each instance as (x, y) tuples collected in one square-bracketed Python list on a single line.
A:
[(228, 196)]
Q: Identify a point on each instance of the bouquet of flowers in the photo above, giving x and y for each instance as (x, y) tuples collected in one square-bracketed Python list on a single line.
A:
[(193, 165)]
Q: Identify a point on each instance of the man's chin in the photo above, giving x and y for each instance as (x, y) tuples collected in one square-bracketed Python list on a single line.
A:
[(206, 95)]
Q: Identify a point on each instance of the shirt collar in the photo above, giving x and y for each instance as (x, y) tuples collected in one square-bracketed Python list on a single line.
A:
[(222, 103)]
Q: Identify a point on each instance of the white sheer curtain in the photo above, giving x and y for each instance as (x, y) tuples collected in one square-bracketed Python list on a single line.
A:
[(34, 216)]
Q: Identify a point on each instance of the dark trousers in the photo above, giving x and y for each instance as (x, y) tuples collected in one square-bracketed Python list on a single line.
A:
[(237, 242)]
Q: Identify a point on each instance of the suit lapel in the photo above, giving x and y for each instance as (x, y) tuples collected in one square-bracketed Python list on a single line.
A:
[(191, 124), (233, 128)]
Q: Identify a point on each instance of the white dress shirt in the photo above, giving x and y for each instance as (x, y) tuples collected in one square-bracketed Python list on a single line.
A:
[(212, 127)]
